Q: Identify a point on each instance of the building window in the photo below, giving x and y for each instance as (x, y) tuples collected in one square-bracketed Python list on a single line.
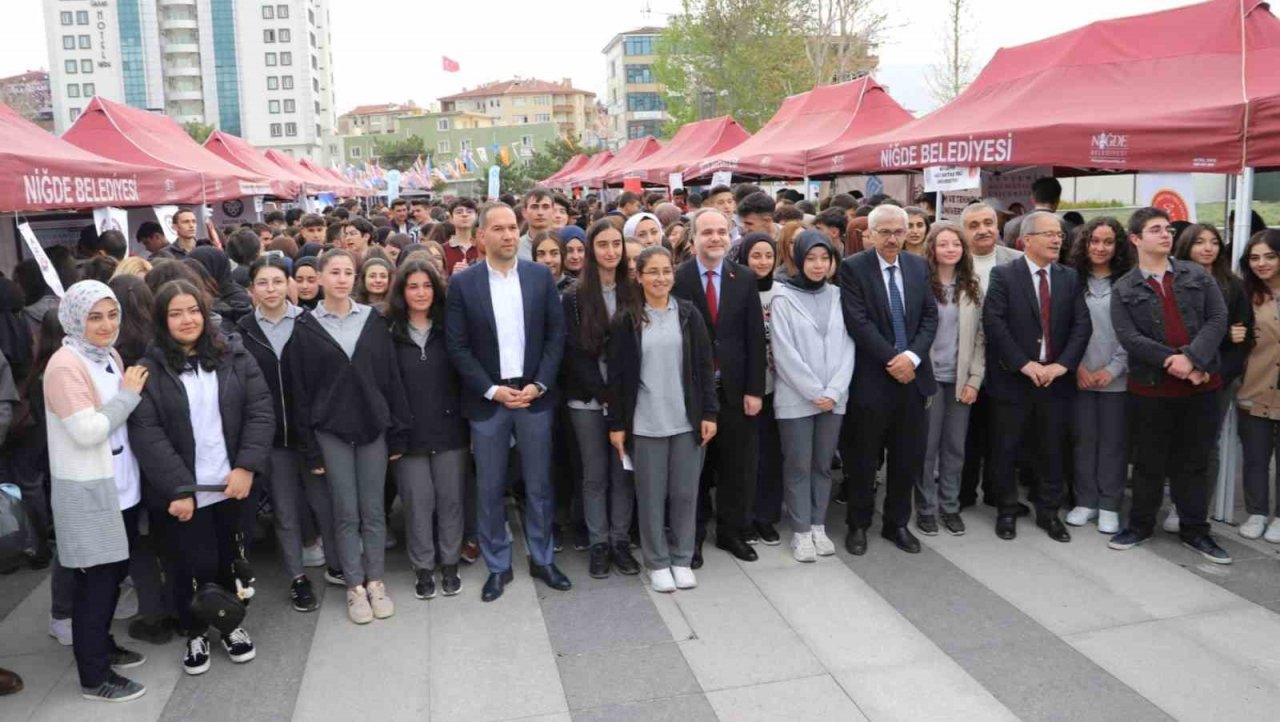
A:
[(542, 118), (273, 82), (311, 16), (645, 101), (268, 36), (442, 124), (286, 58), (73, 90), (289, 105), (286, 82), (315, 64), (442, 146), (291, 129), (526, 141), (68, 42), (66, 17), (315, 84), (638, 45), (313, 39), (271, 60), (285, 35), (86, 67), (542, 100), (89, 90), (70, 67), (641, 128), (613, 68), (268, 12), (517, 101), (85, 42), (639, 73), (282, 11), (74, 113), (355, 151), (319, 132), (521, 119), (273, 107), (276, 130), (495, 102), (82, 17)]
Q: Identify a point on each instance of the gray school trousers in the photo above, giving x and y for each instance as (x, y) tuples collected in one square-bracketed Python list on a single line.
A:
[(1102, 448), (667, 473), (296, 493), (808, 443), (944, 453), (357, 476), (431, 486), (608, 492)]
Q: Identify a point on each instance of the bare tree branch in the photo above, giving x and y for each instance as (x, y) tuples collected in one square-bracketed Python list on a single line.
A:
[(955, 71)]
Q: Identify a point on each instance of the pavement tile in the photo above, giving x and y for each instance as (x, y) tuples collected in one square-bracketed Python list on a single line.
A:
[(689, 708), (620, 676), (610, 617), (811, 698)]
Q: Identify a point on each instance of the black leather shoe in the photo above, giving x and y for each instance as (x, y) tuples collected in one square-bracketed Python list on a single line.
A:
[(494, 586), (598, 567), (696, 563), (736, 546), (767, 534), (901, 538), (1054, 527), (1007, 526), (551, 576), (856, 542), (622, 559)]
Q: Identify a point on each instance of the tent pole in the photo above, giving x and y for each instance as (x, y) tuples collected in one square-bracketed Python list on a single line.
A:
[(1244, 208), (806, 187), (1228, 443)]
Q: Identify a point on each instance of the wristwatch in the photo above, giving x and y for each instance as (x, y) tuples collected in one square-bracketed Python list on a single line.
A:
[(542, 388)]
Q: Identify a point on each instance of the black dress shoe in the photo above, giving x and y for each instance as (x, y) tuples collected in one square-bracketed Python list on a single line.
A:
[(736, 546), (1054, 527), (551, 576), (856, 542), (767, 534), (901, 538), (696, 562), (598, 567), (622, 559), (1007, 526), (494, 586)]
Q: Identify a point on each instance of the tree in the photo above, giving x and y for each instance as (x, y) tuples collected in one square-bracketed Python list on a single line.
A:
[(841, 37), (952, 75), (554, 154), (198, 131), (398, 153)]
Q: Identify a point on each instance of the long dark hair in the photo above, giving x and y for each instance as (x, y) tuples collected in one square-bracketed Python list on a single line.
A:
[(398, 308), (209, 348), (1121, 260), (48, 343), (1259, 291), (593, 322), (361, 292), (966, 280), (1221, 268), (136, 326)]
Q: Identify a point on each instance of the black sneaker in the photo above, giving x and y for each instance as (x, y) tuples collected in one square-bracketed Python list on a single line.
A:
[(424, 586), (238, 646), (557, 540), (1127, 539), (598, 566), (580, 541), (450, 582), (197, 659), (751, 536), (334, 577), (1208, 549), (927, 524), (115, 689), (953, 524), (842, 498), (622, 559), (767, 534), (304, 600), (122, 658)]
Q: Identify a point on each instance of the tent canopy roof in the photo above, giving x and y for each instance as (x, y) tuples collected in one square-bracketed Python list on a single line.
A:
[(573, 164), (692, 142), (627, 156)]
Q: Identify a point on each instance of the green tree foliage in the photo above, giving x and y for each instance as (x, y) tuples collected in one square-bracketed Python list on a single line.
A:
[(515, 178), (552, 157), (200, 132), (399, 153)]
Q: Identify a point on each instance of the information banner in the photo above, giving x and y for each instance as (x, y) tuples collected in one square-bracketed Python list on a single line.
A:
[(42, 259), (949, 178), (1175, 193)]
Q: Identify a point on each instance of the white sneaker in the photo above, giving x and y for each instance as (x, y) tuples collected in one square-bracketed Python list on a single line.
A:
[(802, 547), (60, 629), (379, 601), (1273, 531), (1081, 515), (358, 609), (662, 581), (313, 556), (1109, 522), (127, 604), (1254, 526), (821, 542), (684, 577), (1171, 524)]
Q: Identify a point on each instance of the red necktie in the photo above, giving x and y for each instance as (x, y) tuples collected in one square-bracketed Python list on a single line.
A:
[(713, 303), (1045, 302)]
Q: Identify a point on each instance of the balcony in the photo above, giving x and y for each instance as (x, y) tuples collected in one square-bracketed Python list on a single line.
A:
[(177, 3), (173, 94), (180, 48), (179, 23), (563, 108), (172, 70)]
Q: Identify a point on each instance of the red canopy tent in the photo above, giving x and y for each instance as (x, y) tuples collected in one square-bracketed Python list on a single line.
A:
[(784, 147), (1189, 89), (130, 135), (318, 183), (588, 170), (323, 172), (629, 155), (239, 152), (39, 171), (573, 165), (692, 142)]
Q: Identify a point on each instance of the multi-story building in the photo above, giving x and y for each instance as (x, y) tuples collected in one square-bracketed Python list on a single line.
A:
[(375, 119), (260, 70), (448, 135), (636, 102), (28, 95), (527, 101)]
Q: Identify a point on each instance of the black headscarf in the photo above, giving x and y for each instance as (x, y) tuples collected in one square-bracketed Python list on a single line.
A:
[(807, 241), (15, 336), (230, 293), (743, 252), (309, 250), (313, 263)]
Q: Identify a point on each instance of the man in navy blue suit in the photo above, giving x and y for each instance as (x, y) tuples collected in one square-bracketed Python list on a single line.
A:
[(505, 335), (890, 312)]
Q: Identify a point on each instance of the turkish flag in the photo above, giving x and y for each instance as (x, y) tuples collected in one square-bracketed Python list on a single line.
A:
[(450, 66)]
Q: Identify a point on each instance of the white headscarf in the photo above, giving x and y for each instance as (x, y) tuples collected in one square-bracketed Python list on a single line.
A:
[(73, 314), (629, 229)]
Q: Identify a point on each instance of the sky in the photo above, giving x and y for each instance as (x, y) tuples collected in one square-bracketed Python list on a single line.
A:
[(390, 50)]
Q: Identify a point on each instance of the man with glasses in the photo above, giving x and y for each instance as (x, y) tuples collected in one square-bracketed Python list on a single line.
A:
[(1037, 326), (1170, 316), (890, 311)]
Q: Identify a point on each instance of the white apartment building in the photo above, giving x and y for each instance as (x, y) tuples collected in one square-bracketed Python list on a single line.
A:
[(253, 68)]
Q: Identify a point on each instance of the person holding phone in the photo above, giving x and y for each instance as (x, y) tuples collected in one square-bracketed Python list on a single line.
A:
[(660, 419)]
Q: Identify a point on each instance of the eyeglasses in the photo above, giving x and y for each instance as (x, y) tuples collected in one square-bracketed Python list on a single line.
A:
[(659, 273), (898, 233), (1049, 234)]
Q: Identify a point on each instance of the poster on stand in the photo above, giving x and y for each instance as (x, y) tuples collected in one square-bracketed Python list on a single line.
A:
[(1174, 193)]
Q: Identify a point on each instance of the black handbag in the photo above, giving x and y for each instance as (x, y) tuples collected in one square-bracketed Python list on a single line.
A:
[(214, 604)]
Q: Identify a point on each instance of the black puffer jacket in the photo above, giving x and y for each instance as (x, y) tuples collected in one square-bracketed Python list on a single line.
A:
[(434, 393), (160, 433)]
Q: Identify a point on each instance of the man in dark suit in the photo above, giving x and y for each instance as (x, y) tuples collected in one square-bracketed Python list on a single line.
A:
[(726, 296), (1037, 328), (505, 335), (890, 312)]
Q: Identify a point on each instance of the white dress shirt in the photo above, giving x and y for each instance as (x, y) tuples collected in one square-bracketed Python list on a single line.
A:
[(1035, 286), (897, 281), (508, 317)]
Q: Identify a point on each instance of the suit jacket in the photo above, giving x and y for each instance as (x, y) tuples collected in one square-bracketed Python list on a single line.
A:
[(471, 335), (867, 317), (1011, 319), (737, 336)]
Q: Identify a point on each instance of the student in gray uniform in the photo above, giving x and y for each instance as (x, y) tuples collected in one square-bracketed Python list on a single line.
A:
[(660, 419), (813, 362)]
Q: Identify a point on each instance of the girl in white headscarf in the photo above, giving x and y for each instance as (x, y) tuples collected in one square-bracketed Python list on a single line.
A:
[(95, 481), (645, 229)]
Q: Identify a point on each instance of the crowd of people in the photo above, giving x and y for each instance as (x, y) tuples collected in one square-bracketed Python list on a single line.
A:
[(636, 373)]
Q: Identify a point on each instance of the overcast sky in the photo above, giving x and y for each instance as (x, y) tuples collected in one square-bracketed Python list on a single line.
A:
[(389, 50)]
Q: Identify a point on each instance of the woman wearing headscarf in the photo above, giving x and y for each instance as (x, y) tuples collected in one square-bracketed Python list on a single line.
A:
[(232, 301), (813, 362), (644, 228), (96, 485), (306, 278)]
